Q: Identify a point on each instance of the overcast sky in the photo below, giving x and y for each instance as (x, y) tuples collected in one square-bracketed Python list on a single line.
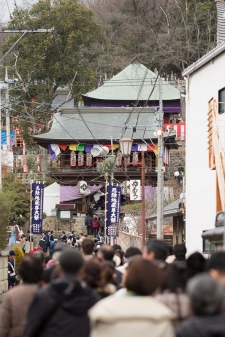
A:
[(5, 9)]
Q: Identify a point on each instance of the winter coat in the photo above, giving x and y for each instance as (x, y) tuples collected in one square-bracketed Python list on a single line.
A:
[(202, 326), (102, 223), (179, 303), (95, 223), (43, 244), (11, 273), (88, 221), (132, 316), (63, 238), (13, 314), (70, 316)]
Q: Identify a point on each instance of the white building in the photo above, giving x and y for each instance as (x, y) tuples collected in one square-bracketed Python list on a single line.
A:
[(205, 81), (51, 198)]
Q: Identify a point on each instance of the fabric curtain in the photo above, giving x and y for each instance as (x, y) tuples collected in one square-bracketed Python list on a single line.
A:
[(68, 193)]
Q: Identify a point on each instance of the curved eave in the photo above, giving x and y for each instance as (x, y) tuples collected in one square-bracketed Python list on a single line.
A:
[(44, 141), (214, 234), (92, 97)]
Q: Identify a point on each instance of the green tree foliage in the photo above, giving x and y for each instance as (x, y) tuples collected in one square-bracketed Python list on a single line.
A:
[(106, 166), (45, 61), (5, 210), (18, 199)]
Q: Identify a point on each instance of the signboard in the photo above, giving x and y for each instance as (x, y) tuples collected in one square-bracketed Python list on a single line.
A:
[(37, 207), (113, 210), (135, 190), (65, 214)]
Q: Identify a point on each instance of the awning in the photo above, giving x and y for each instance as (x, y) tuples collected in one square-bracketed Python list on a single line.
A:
[(169, 210)]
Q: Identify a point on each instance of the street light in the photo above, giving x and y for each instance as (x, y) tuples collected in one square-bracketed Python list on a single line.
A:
[(125, 146)]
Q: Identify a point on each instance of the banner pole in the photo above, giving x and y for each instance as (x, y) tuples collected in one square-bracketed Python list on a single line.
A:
[(31, 182), (106, 201)]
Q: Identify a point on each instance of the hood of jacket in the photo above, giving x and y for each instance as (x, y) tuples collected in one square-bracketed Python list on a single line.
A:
[(202, 326), (129, 308), (76, 297)]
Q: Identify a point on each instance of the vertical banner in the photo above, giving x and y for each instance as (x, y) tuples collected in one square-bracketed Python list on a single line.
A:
[(37, 207), (135, 190), (113, 210)]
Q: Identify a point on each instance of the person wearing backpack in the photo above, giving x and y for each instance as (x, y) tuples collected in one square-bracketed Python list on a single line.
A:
[(95, 225), (102, 225)]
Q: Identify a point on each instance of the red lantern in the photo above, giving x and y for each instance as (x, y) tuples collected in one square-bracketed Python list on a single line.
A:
[(73, 160), (135, 158), (88, 159), (81, 159), (119, 158)]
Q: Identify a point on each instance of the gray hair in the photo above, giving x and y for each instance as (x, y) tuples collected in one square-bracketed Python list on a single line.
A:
[(206, 295)]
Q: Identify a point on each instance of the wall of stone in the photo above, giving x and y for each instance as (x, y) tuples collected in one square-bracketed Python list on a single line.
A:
[(127, 240), (53, 224), (3, 274), (177, 157)]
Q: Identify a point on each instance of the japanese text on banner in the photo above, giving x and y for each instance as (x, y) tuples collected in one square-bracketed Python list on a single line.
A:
[(37, 207), (113, 210)]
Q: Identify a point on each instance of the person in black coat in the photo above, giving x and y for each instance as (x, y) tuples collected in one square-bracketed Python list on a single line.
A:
[(88, 224), (11, 269), (206, 296), (72, 238), (42, 243), (51, 236), (61, 307), (63, 237)]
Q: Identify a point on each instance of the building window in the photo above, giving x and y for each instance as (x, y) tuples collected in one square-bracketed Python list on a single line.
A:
[(221, 101), (208, 247)]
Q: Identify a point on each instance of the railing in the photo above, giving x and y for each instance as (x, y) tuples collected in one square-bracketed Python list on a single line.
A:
[(68, 163), (92, 169), (179, 128)]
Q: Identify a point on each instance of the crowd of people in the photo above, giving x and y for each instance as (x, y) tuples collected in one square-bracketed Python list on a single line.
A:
[(101, 290)]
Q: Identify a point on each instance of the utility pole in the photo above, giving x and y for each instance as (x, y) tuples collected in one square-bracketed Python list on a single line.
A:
[(160, 172), (24, 31), (2, 87)]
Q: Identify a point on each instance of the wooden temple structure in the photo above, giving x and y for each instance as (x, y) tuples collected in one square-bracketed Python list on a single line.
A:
[(81, 137)]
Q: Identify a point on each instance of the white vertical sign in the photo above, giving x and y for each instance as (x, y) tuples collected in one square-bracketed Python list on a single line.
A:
[(135, 190)]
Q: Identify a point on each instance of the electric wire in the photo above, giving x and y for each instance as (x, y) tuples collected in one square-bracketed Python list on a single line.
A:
[(77, 107)]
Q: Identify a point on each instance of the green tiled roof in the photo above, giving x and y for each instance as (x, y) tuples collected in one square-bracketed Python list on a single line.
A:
[(92, 125), (135, 82), (100, 124)]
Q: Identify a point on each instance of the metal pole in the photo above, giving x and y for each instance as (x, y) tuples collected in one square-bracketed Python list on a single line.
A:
[(0, 137), (24, 31), (143, 196), (106, 201), (7, 110), (112, 171), (160, 189)]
